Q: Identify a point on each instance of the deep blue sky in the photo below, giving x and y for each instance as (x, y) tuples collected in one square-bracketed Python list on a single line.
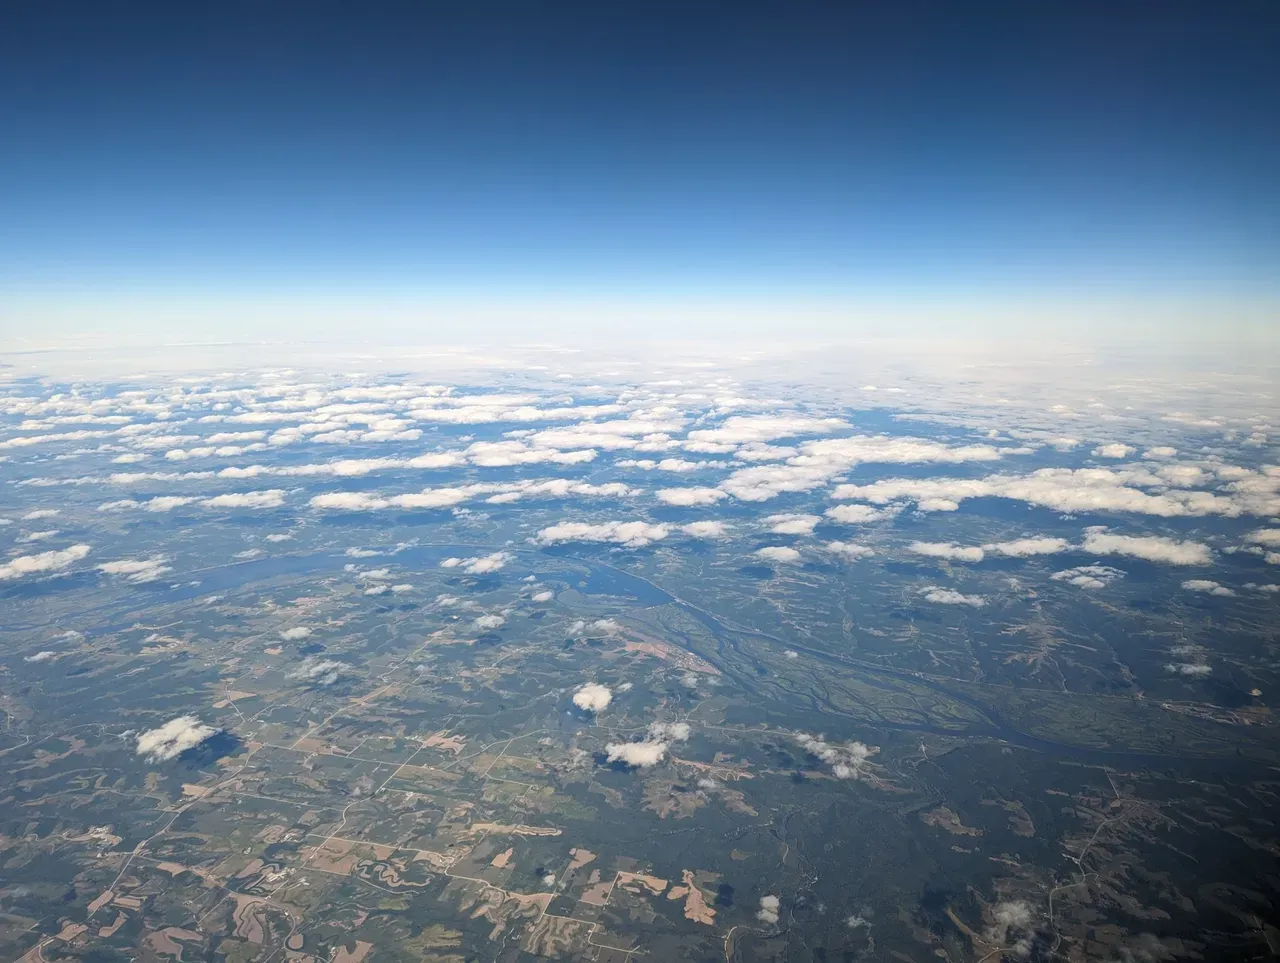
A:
[(655, 148)]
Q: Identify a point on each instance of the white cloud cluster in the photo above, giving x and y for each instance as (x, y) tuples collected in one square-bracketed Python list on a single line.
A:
[(792, 524), (778, 553), (1088, 576), (270, 498), (857, 514), (846, 762), (480, 565), (42, 563), (768, 912), (1024, 547), (945, 596), (820, 461), (448, 497), (137, 570), (295, 633), (669, 732), (1011, 927), (629, 534), (1193, 669), (849, 549), (1113, 449), (948, 550), (689, 497), (1206, 585), (323, 672), (640, 755), (174, 738), (593, 697), (1091, 490), (487, 623), (705, 529), (745, 429), (677, 465), (1152, 548)]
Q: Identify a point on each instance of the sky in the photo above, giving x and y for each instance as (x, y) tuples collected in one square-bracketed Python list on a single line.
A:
[(542, 168)]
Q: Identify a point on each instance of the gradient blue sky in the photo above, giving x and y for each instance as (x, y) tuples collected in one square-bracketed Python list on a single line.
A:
[(250, 152)]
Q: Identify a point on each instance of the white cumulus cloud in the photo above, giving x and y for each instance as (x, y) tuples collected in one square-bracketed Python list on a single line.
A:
[(948, 550), (946, 596), (174, 738), (630, 534), (1206, 585), (137, 570), (688, 497), (1153, 548), (54, 561), (778, 553), (593, 697), (1022, 547), (640, 755)]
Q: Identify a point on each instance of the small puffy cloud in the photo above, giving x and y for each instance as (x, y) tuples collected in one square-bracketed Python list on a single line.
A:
[(744, 429), (628, 534), (41, 513), (271, 498), (1206, 585), (1113, 450), (946, 596), (121, 505), (855, 514), (593, 697), (606, 626), (849, 549), (1269, 537), (1119, 489), (487, 623), (44, 562), (935, 505), (669, 732), (1022, 547), (1011, 927), (1160, 452), (480, 565), (1195, 670), (768, 912), (1153, 548), (167, 503), (639, 755), (348, 502), (324, 672), (174, 738), (546, 596), (846, 762), (778, 553), (688, 497), (137, 570), (43, 536), (44, 656), (1088, 576), (792, 524), (948, 550), (705, 529), (295, 633)]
